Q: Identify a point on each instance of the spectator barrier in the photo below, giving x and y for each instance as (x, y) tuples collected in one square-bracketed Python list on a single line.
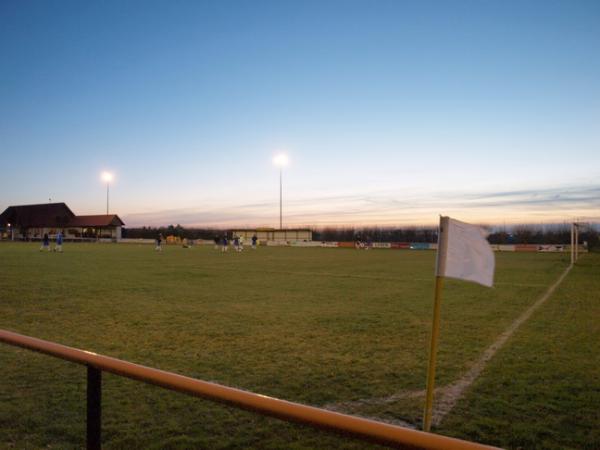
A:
[(364, 429)]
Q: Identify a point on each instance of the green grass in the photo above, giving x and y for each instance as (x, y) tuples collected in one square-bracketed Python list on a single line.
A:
[(314, 325), (543, 390)]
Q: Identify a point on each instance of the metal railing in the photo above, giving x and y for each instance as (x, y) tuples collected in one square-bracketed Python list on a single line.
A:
[(358, 427)]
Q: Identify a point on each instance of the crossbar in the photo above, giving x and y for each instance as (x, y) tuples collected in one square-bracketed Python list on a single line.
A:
[(359, 427)]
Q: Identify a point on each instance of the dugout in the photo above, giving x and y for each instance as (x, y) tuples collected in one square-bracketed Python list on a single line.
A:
[(272, 234)]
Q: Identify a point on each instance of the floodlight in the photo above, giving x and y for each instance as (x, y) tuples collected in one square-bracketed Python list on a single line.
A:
[(281, 160)]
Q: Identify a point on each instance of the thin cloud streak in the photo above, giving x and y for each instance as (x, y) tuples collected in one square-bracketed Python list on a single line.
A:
[(391, 208)]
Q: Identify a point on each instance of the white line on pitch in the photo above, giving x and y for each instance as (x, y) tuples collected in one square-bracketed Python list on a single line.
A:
[(449, 395)]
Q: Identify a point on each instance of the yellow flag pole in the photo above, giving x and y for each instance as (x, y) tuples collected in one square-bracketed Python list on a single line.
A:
[(435, 331), (440, 271)]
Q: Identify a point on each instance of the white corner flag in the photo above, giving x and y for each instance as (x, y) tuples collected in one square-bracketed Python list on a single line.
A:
[(464, 252)]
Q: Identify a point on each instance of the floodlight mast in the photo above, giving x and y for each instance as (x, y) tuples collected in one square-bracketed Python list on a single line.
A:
[(281, 160), (107, 177)]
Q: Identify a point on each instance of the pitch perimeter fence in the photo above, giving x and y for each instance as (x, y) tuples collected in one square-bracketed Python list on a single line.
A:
[(364, 429)]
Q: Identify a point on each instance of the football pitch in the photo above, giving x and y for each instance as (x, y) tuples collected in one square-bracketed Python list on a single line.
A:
[(336, 328)]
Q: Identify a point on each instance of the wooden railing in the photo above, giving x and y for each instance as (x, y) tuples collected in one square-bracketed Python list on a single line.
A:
[(358, 427)]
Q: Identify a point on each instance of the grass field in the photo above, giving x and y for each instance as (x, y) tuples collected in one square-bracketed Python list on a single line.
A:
[(317, 326)]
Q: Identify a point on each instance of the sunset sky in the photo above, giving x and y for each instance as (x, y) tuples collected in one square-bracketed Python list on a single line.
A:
[(391, 112)]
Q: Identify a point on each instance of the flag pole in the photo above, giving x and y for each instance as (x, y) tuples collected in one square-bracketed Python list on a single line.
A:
[(435, 326), (435, 331)]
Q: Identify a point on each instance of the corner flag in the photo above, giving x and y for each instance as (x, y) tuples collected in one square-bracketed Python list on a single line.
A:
[(463, 253)]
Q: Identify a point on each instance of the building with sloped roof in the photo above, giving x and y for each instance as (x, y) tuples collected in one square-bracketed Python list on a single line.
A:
[(33, 221)]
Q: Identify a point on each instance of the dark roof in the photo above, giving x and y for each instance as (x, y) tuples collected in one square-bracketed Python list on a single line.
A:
[(101, 220), (53, 215), (42, 215)]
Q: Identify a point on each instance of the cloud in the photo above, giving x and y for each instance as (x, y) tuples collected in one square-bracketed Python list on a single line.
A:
[(390, 207)]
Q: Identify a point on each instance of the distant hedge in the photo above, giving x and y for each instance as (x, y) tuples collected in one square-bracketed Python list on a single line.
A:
[(519, 234)]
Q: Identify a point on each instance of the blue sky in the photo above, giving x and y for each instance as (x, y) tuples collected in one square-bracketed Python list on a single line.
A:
[(391, 112)]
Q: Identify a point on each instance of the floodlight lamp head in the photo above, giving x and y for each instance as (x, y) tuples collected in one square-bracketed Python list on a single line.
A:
[(281, 160), (107, 177)]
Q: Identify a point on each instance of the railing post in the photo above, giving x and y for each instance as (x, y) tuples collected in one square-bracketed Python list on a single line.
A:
[(94, 408)]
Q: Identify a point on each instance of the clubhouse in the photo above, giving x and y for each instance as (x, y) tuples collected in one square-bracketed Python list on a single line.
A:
[(31, 222)]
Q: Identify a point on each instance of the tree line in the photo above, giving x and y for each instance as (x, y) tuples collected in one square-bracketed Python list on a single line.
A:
[(519, 234), (172, 230)]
